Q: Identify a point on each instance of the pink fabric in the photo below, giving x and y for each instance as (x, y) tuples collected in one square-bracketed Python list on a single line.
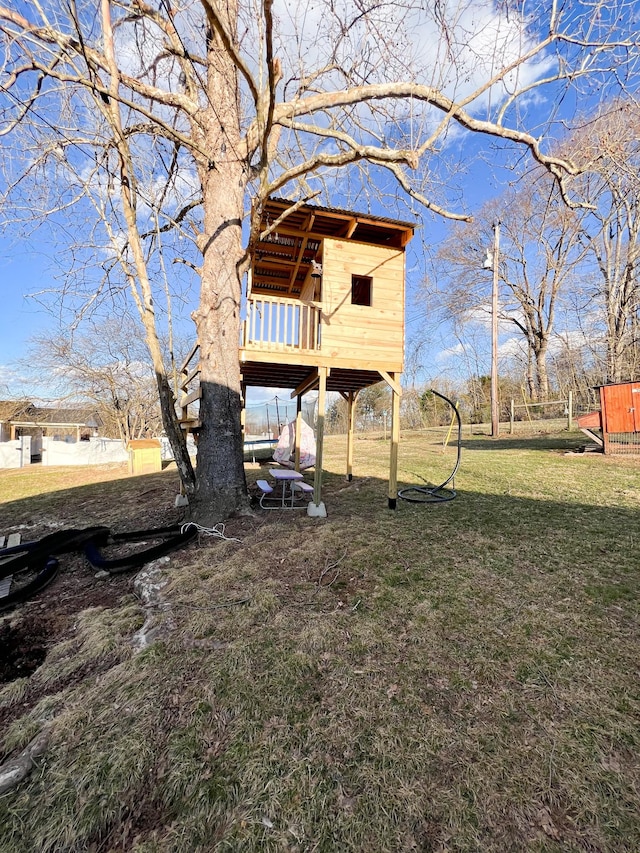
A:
[(286, 447)]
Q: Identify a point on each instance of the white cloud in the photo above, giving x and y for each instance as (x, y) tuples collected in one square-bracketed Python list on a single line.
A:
[(513, 347), (449, 353), (459, 50)]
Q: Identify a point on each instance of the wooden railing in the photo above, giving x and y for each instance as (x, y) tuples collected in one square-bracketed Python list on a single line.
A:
[(281, 325)]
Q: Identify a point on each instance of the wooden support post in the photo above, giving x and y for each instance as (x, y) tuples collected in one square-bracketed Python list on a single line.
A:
[(351, 420), (512, 416), (395, 440), (570, 411), (322, 401), (243, 411), (298, 431)]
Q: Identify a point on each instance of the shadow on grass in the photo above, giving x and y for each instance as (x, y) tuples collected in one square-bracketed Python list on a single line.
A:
[(123, 500), (520, 442)]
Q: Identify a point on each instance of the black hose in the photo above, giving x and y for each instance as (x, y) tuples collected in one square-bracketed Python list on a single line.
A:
[(46, 572), (436, 494), (30, 554), (173, 537), (34, 563)]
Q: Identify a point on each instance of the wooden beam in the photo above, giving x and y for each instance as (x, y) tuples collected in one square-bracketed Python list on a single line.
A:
[(294, 272), (310, 358), (194, 349), (190, 377), (191, 398), (303, 247), (322, 402), (351, 420), (296, 456), (395, 440), (243, 410), (390, 379), (351, 228), (274, 262), (593, 436), (402, 233), (307, 384)]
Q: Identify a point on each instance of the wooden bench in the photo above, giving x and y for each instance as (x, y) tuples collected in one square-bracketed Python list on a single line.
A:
[(300, 486)]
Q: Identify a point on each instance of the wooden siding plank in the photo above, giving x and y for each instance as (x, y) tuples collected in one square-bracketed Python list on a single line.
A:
[(364, 361)]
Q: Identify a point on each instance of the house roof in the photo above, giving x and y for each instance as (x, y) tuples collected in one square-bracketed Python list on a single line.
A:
[(71, 417), (282, 259), (24, 413), (10, 409)]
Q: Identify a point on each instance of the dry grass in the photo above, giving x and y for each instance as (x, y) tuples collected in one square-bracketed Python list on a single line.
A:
[(452, 678)]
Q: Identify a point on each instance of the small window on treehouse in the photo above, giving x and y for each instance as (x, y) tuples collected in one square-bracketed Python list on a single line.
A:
[(361, 286)]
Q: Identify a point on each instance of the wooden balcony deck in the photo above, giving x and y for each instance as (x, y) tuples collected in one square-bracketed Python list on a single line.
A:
[(276, 325)]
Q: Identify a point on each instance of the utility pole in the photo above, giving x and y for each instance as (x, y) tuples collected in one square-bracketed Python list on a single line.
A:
[(495, 402), (492, 262)]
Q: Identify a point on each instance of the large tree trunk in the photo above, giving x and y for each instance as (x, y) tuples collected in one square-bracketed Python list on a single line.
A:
[(220, 482), (221, 488), (616, 347), (541, 371), (531, 384)]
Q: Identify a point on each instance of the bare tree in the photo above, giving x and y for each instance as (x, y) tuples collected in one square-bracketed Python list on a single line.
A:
[(253, 99), (607, 147), (540, 255), (108, 365)]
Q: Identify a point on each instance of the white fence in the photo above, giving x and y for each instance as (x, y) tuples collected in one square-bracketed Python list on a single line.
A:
[(167, 452), (96, 451), (15, 454)]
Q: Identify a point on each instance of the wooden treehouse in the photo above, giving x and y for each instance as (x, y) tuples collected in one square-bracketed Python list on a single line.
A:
[(324, 310)]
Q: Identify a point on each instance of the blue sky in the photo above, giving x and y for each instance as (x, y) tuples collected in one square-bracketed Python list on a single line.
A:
[(26, 266), (22, 271)]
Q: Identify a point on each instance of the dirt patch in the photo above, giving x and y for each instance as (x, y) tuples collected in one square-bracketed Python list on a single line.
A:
[(29, 631), (24, 647)]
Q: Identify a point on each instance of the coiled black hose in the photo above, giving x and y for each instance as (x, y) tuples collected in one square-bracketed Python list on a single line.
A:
[(436, 494)]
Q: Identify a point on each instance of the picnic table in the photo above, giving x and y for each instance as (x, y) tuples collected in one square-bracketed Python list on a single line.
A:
[(289, 485)]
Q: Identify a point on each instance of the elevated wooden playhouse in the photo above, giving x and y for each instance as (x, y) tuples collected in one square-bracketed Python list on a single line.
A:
[(325, 311), (616, 426)]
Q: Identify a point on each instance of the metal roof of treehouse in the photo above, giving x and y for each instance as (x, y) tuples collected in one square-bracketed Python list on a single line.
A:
[(282, 259)]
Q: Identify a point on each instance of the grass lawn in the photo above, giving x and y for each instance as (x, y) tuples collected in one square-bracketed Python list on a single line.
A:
[(459, 677)]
